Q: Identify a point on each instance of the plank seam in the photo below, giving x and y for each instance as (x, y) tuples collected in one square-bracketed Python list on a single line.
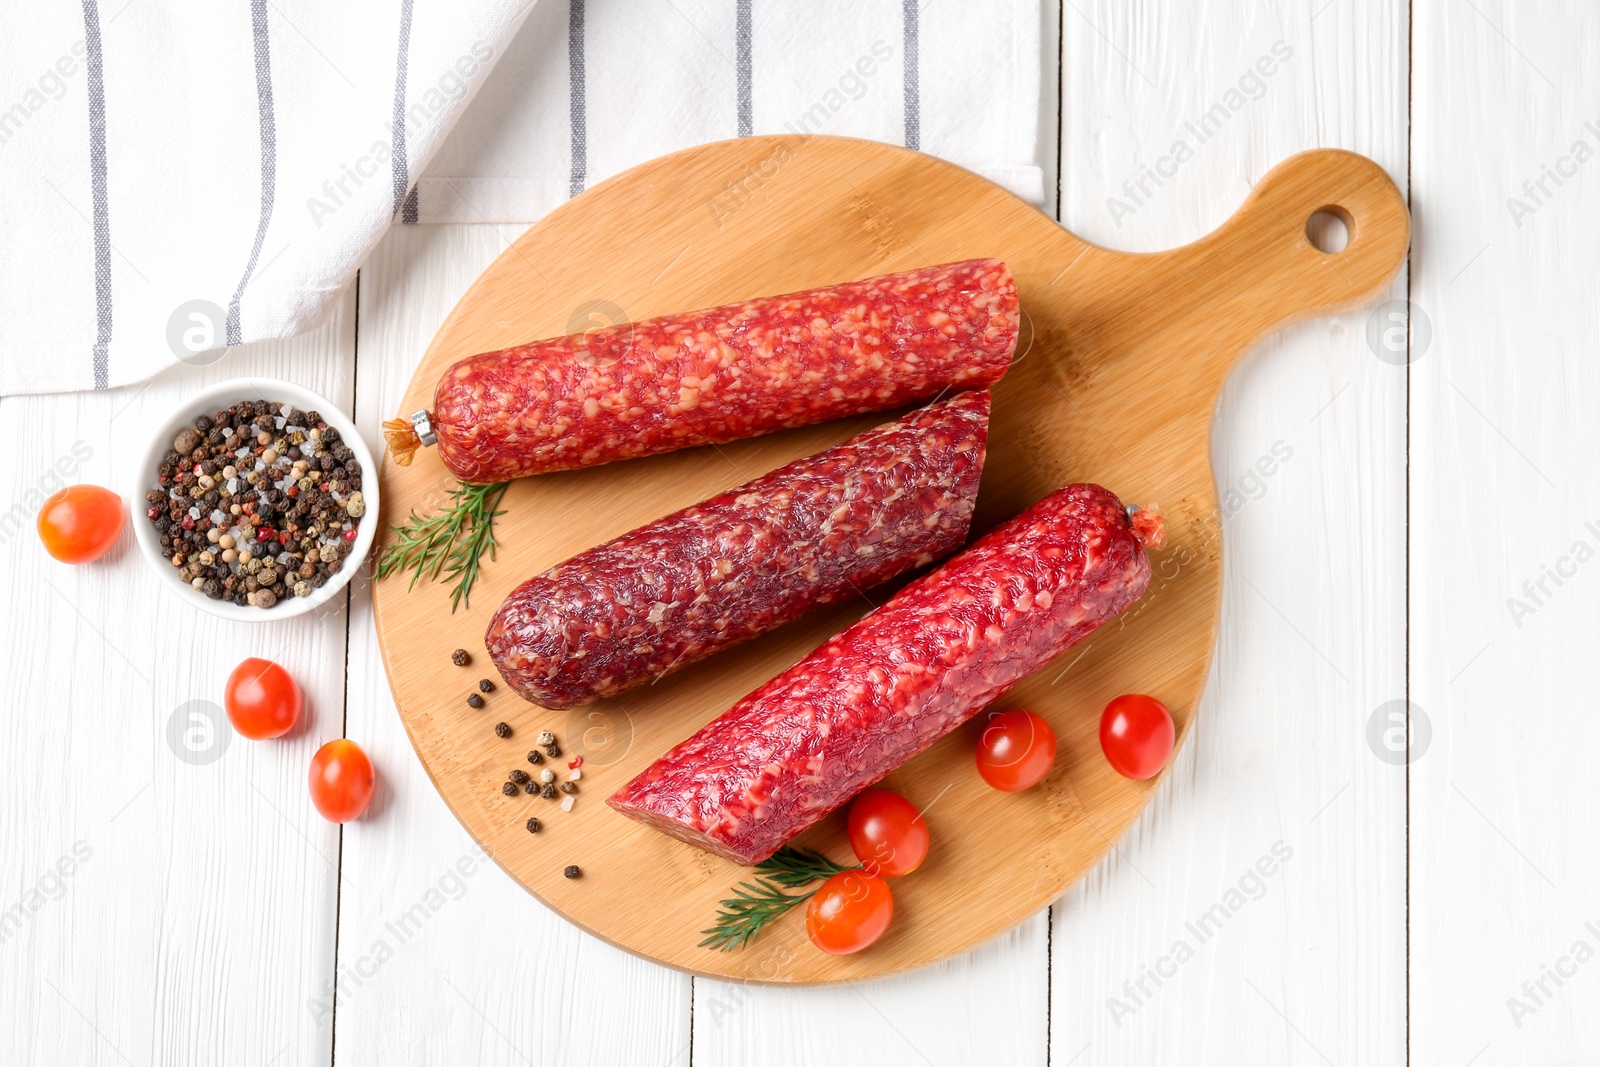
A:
[(344, 711), (1410, 97)]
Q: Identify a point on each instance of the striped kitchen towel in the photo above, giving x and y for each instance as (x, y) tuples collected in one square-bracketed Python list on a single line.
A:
[(179, 177)]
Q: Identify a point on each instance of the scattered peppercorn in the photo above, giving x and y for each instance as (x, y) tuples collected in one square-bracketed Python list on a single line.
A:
[(535, 757), (569, 787), (547, 775), (502, 729), (572, 871), (519, 775), (546, 738), (552, 751), (533, 826), (485, 686), (532, 787), (548, 791), (474, 701), (509, 789), (460, 658)]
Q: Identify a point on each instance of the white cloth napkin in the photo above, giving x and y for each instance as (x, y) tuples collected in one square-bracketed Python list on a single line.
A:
[(180, 176)]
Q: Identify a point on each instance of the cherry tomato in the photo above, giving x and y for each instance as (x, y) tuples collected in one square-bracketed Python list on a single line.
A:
[(262, 700), (1137, 735), (849, 912), (1016, 750), (887, 833), (341, 780), (80, 523)]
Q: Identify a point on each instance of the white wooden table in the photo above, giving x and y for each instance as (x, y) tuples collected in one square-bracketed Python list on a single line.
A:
[(1407, 524)]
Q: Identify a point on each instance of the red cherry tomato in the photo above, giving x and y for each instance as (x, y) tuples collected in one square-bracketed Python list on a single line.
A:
[(849, 912), (1137, 735), (80, 523), (887, 833), (1016, 750), (262, 700), (341, 780)]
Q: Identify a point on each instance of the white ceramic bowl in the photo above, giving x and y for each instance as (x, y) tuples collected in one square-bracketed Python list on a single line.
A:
[(208, 402)]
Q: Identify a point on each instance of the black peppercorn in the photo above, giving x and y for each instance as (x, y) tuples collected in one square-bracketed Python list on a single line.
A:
[(460, 658), (509, 789), (474, 701), (533, 826), (531, 786), (502, 729), (569, 787), (485, 686), (534, 757), (548, 790), (552, 750), (572, 871), (519, 775)]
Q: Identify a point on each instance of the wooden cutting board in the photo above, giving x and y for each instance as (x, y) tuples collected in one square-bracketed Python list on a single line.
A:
[(1116, 377)]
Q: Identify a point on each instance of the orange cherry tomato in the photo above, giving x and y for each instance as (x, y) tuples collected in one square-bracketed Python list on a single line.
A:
[(341, 780), (262, 700), (1016, 750), (80, 523), (849, 912), (887, 833), (1137, 735)]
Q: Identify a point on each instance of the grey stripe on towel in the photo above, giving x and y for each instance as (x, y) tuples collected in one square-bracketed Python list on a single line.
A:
[(912, 14), (580, 122), (97, 180), (269, 157), (742, 66), (399, 166)]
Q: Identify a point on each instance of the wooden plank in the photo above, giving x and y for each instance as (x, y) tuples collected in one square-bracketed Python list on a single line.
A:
[(464, 965), (166, 901), (988, 1006), (1505, 918), (1308, 449)]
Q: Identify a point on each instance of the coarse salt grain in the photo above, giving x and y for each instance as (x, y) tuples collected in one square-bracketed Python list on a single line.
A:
[(567, 802)]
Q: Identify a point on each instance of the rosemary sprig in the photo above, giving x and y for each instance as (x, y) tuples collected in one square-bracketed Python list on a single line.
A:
[(799, 866), (754, 906), (450, 542)]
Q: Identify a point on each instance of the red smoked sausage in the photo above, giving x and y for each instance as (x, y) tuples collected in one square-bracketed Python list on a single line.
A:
[(899, 679), (723, 374), (676, 590)]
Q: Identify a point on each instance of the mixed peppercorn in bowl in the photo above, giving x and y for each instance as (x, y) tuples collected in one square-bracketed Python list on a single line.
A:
[(258, 500)]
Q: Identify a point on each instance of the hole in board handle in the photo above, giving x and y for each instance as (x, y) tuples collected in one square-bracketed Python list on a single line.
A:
[(1330, 229)]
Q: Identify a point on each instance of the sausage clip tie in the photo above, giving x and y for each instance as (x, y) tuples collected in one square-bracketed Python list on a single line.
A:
[(405, 436)]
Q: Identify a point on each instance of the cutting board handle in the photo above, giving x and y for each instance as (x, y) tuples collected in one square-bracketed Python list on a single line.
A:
[(1207, 303), (1262, 265)]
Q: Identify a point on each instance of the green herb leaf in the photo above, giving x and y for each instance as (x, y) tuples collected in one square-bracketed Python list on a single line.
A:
[(745, 914), (451, 542), (753, 906), (798, 866)]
